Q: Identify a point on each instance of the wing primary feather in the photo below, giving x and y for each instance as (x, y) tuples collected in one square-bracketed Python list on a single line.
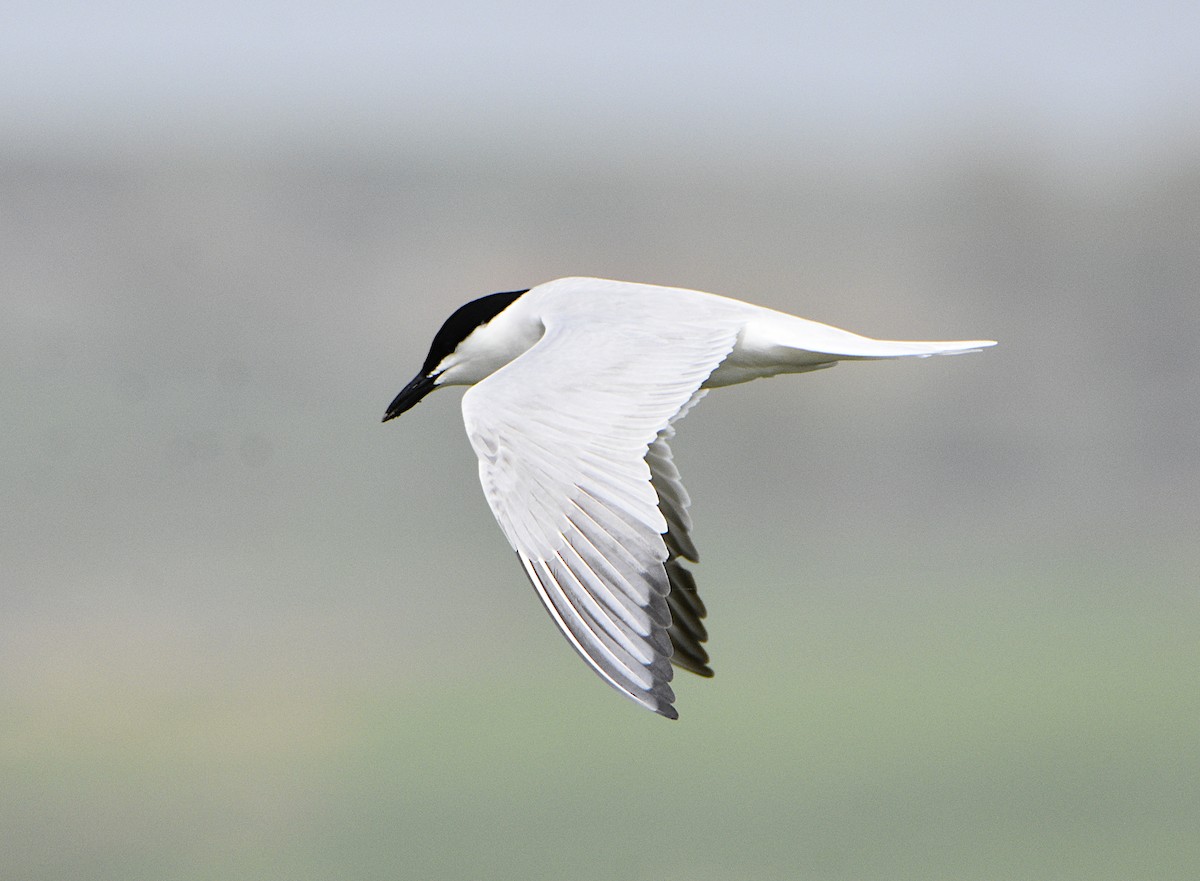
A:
[(677, 537), (599, 579), (686, 631), (687, 610), (605, 616), (604, 650), (619, 554), (640, 600), (647, 674), (680, 547), (673, 497), (627, 676), (643, 546)]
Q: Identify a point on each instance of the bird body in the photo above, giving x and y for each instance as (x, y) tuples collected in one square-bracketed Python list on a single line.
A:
[(577, 385)]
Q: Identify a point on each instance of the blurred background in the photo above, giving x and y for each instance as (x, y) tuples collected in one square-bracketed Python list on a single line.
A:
[(249, 632)]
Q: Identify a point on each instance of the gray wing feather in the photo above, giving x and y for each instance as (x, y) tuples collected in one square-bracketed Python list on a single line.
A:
[(687, 630)]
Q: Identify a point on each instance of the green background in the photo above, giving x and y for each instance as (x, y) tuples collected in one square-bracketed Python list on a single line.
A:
[(248, 632)]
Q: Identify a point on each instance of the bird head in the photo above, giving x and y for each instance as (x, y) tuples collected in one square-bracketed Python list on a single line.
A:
[(462, 353)]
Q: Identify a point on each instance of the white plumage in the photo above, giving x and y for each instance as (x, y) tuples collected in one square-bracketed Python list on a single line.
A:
[(577, 386)]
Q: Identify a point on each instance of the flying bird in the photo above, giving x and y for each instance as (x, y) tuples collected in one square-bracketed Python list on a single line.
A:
[(576, 387)]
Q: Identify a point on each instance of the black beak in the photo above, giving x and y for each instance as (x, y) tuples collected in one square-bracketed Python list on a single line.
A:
[(413, 392)]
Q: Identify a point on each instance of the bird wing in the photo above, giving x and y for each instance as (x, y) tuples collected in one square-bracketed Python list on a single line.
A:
[(564, 434), (687, 630)]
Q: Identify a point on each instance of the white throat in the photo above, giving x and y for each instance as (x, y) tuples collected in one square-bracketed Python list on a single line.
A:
[(490, 346)]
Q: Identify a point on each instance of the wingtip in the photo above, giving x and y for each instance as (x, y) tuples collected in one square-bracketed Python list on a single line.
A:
[(696, 663), (661, 700)]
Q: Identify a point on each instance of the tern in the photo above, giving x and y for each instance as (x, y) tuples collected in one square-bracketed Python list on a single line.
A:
[(576, 387)]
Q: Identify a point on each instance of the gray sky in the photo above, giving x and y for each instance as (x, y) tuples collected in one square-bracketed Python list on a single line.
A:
[(757, 76)]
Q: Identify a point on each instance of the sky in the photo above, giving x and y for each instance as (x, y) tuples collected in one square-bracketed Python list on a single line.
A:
[(552, 76)]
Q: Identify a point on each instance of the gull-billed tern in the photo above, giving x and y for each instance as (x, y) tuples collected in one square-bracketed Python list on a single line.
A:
[(576, 388)]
